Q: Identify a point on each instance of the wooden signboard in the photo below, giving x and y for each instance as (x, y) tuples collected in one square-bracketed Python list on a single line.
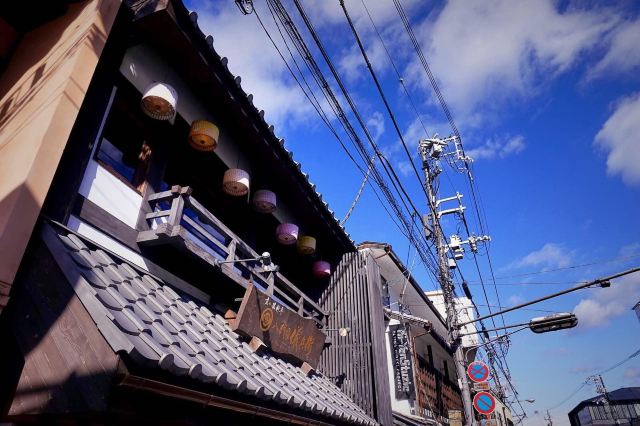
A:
[(285, 332), (482, 386), (402, 365), (455, 417)]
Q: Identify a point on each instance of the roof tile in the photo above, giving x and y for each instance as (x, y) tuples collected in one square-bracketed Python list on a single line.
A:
[(173, 332)]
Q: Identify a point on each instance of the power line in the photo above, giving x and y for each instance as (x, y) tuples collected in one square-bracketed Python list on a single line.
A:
[(316, 105), (355, 201), (571, 395), (408, 225), (387, 167), (606, 370), (381, 92), (618, 364), (564, 268), (471, 181), (323, 116)]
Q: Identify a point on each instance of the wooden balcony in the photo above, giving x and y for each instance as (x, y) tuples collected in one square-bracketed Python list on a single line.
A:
[(180, 220)]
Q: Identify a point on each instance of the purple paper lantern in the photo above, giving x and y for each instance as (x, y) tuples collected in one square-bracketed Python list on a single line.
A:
[(321, 269), (287, 233)]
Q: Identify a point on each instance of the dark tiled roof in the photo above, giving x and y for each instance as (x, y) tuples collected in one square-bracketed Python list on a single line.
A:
[(622, 394), (160, 328)]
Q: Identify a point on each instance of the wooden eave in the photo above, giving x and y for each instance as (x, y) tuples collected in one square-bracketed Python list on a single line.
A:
[(173, 32)]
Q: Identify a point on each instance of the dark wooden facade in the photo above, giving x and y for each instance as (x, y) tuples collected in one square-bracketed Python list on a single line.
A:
[(435, 392), (358, 362), (54, 359)]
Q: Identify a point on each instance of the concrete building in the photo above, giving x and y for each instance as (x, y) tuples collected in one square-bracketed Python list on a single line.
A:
[(502, 415), (470, 340), (466, 312)]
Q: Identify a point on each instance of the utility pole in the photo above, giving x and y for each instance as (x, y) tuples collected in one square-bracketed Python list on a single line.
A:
[(602, 390), (548, 419), (433, 148)]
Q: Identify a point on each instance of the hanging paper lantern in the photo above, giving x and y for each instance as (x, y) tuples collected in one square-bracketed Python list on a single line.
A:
[(203, 135), (287, 233), (159, 101), (321, 269), (235, 182), (264, 201), (306, 245)]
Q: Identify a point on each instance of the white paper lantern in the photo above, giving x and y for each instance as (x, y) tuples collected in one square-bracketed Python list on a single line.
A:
[(235, 182), (159, 101)]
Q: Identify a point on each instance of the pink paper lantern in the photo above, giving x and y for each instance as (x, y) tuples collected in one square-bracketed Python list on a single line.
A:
[(321, 269), (264, 201), (287, 233), (235, 182)]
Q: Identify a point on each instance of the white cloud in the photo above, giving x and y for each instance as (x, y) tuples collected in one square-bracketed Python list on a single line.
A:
[(583, 369), (632, 373), (375, 124), (405, 168), (494, 148), (620, 138), (253, 57), (560, 351), (604, 304), (487, 52), (623, 54), (383, 12), (629, 250), (515, 299), (551, 255), (353, 66)]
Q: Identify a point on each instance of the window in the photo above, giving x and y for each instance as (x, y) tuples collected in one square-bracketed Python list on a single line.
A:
[(124, 149), (585, 416), (386, 298)]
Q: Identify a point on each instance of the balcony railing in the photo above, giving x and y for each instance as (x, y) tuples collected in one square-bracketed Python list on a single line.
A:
[(180, 220)]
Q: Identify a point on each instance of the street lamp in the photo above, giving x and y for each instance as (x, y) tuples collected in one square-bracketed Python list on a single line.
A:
[(264, 259), (554, 322), (342, 331), (600, 282)]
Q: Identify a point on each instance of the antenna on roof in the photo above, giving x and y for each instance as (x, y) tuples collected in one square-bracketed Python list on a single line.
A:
[(245, 6)]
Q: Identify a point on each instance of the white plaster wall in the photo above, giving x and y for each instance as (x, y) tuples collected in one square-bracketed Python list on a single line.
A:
[(108, 192), (77, 225)]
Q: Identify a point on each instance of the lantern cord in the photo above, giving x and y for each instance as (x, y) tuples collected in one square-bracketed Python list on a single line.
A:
[(355, 201)]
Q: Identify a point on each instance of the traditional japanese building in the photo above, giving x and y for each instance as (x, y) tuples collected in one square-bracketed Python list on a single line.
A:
[(164, 257)]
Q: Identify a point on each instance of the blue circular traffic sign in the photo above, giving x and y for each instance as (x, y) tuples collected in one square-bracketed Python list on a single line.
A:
[(478, 371), (484, 403)]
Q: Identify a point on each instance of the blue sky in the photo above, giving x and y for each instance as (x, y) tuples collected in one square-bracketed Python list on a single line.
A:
[(546, 95)]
